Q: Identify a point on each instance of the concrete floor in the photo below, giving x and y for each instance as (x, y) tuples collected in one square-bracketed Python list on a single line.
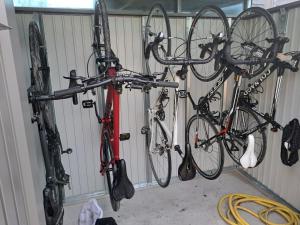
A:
[(182, 203)]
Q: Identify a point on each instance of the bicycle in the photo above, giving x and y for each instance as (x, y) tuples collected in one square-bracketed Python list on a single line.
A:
[(162, 138), (110, 77), (44, 116), (201, 46), (241, 120)]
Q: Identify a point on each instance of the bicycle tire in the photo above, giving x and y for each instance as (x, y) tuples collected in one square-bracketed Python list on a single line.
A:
[(216, 65), (167, 176), (101, 15), (41, 84), (250, 15), (40, 76), (147, 32), (111, 171), (262, 152), (201, 171)]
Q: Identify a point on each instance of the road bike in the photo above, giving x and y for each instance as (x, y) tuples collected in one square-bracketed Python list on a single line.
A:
[(161, 137), (241, 120), (44, 116)]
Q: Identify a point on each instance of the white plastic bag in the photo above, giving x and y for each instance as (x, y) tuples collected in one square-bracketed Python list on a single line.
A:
[(90, 212)]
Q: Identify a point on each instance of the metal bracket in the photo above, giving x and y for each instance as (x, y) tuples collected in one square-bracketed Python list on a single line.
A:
[(282, 21), (4, 27)]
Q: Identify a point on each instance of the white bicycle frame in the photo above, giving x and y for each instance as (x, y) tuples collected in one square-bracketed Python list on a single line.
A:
[(172, 135)]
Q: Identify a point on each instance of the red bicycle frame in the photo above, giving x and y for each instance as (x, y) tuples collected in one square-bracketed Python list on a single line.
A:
[(112, 104)]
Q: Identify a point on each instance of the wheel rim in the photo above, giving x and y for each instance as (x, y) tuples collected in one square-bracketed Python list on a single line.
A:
[(236, 144), (208, 158), (159, 156), (248, 36), (201, 35), (157, 21)]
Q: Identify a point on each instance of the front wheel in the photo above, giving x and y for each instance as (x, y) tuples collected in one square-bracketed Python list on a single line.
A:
[(111, 171), (236, 142), (159, 154), (209, 22), (206, 147)]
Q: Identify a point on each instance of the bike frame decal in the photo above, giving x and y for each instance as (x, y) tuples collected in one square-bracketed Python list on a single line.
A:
[(259, 81), (226, 74)]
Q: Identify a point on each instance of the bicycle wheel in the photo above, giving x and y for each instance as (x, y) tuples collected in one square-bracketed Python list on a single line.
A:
[(210, 21), (236, 143), (157, 21), (101, 30), (53, 193), (208, 157), (159, 155), (250, 44), (111, 170), (40, 76), (99, 36)]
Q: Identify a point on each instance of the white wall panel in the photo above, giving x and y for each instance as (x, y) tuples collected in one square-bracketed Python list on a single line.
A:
[(283, 180)]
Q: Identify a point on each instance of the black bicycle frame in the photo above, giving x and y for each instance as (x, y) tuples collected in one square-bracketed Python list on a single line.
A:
[(269, 118)]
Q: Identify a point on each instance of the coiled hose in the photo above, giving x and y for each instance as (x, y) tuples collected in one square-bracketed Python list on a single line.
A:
[(230, 212)]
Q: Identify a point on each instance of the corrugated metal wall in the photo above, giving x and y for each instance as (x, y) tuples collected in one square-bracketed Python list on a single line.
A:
[(281, 179), (69, 38)]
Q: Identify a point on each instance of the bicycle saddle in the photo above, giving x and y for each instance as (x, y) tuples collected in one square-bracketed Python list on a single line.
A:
[(122, 186), (249, 158), (186, 170)]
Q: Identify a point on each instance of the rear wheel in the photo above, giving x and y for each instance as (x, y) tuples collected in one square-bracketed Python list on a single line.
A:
[(236, 143), (111, 170), (158, 21), (208, 155), (159, 154), (209, 22)]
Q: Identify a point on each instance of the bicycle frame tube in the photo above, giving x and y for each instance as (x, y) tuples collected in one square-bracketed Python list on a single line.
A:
[(275, 97), (152, 116), (112, 102), (234, 102), (226, 74), (270, 118)]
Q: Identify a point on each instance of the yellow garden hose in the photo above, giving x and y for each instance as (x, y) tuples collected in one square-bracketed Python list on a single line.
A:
[(230, 205)]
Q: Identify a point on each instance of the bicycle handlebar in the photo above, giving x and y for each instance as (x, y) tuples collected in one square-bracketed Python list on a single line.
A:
[(159, 38), (148, 82)]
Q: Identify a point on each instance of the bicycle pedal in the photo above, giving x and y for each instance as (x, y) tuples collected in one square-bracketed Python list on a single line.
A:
[(87, 104), (124, 136), (145, 130), (67, 151), (177, 149)]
